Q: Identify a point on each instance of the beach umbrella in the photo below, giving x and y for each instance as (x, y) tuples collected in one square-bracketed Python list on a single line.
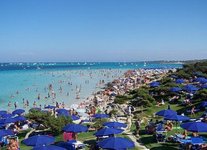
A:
[(180, 81), (62, 111), (66, 145), (204, 104), (76, 128), (167, 112), (48, 147), (50, 107), (116, 143), (39, 140), (5, 133), (19, 118), (175, 89), (18, 111), (108, 131), (190, 88), (177, 118), (100, 116), (75, 117), (7, 115), (195, 126), (204, 86), (63, 114), (3, 112), (7, 120), (202, 80), (115, 124), (154, 84)]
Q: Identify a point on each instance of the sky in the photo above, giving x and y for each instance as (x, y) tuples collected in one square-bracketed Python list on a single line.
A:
[(102, 30)]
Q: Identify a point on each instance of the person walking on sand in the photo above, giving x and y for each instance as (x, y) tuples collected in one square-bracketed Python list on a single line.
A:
[(137, 125)]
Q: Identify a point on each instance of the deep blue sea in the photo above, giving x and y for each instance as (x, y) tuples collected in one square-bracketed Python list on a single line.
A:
[(20, 82)]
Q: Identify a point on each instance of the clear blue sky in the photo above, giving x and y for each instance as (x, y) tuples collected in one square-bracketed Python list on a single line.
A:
[(102, 30)]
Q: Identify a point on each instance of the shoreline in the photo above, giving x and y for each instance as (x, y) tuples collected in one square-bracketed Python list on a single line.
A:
[(130, 80)]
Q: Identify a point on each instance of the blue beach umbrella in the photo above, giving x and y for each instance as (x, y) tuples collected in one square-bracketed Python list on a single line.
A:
[(195, 126), (18, 111), (66, 145), (7, 115), (177, 118), (202, 80), (167, 112), (204, 86), (7, 120), (75, 117), (5, 133), (76, 128), (190, 88), (19, 118), (116, 143), (100, 116), (108, 131), (204, 104), (48, 147), (62, 111), (115, 124), (3, 112), (175, 89), (39, 140), (154, 84), (180, 81), (50, 107)]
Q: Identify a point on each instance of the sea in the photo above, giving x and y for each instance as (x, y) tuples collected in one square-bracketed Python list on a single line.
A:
[(36, 84)]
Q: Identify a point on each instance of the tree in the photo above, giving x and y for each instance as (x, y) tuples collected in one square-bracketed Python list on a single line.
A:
[(45, 120)]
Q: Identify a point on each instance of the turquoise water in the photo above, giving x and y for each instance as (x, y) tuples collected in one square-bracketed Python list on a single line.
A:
[(26, 81)]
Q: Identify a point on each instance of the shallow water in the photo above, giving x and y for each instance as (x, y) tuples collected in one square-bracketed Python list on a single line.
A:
[(68, 81)]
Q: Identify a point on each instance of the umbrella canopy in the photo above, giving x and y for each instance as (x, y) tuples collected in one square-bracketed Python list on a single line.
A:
[(115, 124), (201, 80), (204, 104), (20, 118), (76, 128), (49, 107), (180, 81), (62, 111), (39, 140), (195, 126), (65, 145), (175, 89), (75, 117), (190, 88), (100, 116), (108, 131), (3, 112), (116, 143), (7, 115), (167, 112), (48, 147), (18, 111), (5, 133), (204, 86), (154, 84), (7, 120), (177, 118)]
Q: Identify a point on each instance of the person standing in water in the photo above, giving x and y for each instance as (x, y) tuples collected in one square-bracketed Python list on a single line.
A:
[(15, 105)]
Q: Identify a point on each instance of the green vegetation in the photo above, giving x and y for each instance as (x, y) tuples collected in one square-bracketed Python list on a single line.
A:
[(46, 120), (144, 99)]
